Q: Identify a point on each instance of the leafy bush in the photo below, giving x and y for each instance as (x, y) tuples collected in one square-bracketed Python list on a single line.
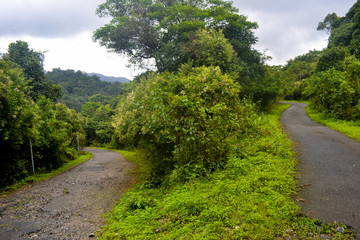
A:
[(182, 118), (209, 47), (331, 58), (98, 114), (337, 93), (263, 89)]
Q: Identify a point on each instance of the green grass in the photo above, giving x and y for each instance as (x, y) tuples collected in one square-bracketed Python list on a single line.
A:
[(349, 128), (39, 177), (252, 197)]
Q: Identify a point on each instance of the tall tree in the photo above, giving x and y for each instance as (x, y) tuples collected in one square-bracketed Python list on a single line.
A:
[(31, 62), (159, 29), (17, 123), (329, 23), (344, 31)]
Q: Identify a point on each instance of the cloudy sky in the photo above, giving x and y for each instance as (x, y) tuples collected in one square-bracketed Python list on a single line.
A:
[(63, 28)]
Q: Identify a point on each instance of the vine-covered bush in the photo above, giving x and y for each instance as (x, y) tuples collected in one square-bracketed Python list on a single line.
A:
[(182, 118)]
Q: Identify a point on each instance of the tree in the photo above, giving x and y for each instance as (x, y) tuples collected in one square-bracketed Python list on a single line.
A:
[(58, 127), (344, 31), (159, 29), (78, 87), (209, 48), (32, 64), (17, 123), (328, 24), (52, 128), (311, 57), (98, 114), (331, 58)]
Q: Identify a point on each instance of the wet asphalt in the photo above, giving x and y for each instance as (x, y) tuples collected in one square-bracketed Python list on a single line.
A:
[(329, 169)]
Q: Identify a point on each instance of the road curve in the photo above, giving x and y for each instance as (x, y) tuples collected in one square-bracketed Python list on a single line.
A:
[(329, 166), (67, 206)]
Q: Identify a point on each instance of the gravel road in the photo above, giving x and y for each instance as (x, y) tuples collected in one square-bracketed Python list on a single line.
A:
[(329, 165), (70, 205)]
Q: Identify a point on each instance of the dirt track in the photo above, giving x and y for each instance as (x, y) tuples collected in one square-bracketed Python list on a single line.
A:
[(70, 205), (329, 165)]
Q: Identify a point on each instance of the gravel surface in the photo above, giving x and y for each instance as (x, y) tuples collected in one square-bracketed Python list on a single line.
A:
[(70, 205), (329, 166)]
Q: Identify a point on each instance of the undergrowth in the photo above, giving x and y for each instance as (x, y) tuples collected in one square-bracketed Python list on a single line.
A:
[(39, 177), (349, 128), (251, 197)]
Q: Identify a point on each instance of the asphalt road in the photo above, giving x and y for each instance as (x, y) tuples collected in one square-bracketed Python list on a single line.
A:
[(67, 206), (329, 167)]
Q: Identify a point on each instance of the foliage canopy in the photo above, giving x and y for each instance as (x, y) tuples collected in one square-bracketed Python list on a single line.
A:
[(344, 31), (78, 87), (159, 29), (31, 63), (182, 118)]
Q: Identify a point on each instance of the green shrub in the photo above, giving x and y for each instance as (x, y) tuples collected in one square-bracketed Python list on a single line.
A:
[(337, 93), (183, 118), (332, 58)]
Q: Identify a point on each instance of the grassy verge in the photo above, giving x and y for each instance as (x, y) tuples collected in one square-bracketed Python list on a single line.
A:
[(349, 128), (38, 177), (250, 198)]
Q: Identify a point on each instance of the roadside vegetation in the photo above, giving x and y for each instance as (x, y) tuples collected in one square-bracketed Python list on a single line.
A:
[(252, 196), (349, 128), (39, 177), (31, 117), (202, 127)]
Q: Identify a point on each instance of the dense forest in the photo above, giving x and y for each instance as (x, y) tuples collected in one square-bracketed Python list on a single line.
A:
[(201, 123), (78, 86), (32, 116)]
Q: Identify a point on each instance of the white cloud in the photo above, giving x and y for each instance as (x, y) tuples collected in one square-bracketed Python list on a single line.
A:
[(62, 28), (78, 52), (287, 28), (48, 18)]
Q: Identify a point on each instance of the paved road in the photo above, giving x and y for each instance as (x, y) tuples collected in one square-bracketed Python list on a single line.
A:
[(70, 205), (329, 165)]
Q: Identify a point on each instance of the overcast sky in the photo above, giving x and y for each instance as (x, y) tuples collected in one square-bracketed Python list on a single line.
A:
[(63, 28)]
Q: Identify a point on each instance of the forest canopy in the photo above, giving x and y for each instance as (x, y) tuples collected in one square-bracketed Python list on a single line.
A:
[(78, 86), (344, 31), (161, 29)]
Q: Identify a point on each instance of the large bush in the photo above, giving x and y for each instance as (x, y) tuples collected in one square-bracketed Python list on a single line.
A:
[(184, 118), (337, 93)]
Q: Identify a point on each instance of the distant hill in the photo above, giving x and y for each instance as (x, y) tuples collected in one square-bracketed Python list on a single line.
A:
[(78, 86), (110, 79)]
